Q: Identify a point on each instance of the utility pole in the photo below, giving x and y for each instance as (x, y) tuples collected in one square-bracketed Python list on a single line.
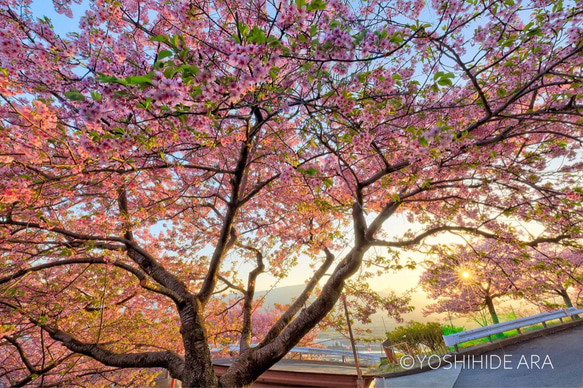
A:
[(360, 381)]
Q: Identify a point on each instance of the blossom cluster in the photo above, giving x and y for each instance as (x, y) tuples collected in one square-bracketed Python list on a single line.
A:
[(341, 45), (166, 91), (106, 146), (291, 15), (13, 189)]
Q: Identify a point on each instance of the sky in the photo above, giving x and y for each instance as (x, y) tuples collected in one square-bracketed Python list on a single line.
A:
[(61, 23)]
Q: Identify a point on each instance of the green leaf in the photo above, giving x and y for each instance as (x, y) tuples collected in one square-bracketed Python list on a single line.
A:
[(164, 54), (243, 29), (313, 30), (316, 5), (65, 253), (508, 42), (358, 38), (334, 24), (273, 72), (74, 95), (108, 79), (169, 72), (188, 70), (423, 142), (256, 35), (310, 171), (396, 38), (272, 41), (445, 82), (362, 77), (146, 104), (11, 291), (139, 80), (96, 96), (159, 38), (196, 91)]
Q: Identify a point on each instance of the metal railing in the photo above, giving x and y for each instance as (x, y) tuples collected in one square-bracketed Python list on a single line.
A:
[(337, 352), (516, 324), (344, 354)]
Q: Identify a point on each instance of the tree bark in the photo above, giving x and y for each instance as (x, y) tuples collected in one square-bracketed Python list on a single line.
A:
[(198, 366), (567, 299), (256, 361), (492, 310)]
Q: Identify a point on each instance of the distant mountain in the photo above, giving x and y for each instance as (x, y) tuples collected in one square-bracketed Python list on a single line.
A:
[(281, 295), (380, 322)]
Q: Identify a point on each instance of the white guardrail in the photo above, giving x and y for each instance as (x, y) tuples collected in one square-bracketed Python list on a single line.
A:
[(336, 352), (324, 351), (487, 331)]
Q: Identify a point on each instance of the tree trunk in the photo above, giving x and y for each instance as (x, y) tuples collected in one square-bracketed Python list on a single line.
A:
[(567, 300), (492, 310), (198, 372), (245, 370), (237, 374), (198, 366)]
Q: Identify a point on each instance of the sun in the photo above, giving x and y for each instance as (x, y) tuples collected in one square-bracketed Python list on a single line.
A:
[(465, 275)]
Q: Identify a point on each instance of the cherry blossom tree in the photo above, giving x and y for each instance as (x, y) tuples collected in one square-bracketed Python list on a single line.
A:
[(466, 279), (154, 149), (551, 270)]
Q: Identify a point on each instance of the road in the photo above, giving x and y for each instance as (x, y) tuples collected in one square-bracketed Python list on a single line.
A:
[(555, 360)]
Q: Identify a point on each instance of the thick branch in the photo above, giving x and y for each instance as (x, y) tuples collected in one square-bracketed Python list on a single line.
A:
[(292, 310), (260, 359), (247, 328), (22, 354), (148, 263), (42, 371), (92, 260), (228, 236), (477, 231), (64, 232), (166, 359)]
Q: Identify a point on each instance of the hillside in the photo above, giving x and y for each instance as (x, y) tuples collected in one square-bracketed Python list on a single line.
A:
[(380, 321)]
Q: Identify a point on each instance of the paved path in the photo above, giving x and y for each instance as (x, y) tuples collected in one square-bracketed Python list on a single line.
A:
[(439, 378), (550, 361), (555, 360)]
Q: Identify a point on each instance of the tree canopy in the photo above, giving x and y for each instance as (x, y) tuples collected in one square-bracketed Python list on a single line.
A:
[(157, 146)]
